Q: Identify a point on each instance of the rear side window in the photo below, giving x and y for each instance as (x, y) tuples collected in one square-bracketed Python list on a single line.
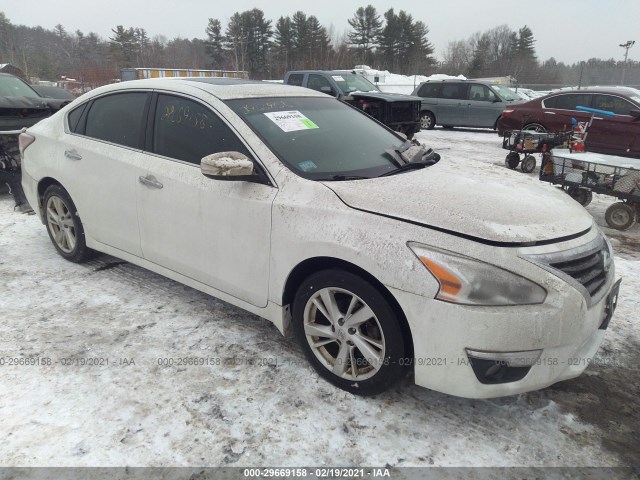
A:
[(454, 91), (295, 79), (568, 101), (617, 105), (74, 117), (118, 118), (188, 131), (430, 90)]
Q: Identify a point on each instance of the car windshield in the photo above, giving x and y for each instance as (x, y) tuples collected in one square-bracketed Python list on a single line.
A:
[(321, 138), (14, 87), (351, 82), (506, 93)]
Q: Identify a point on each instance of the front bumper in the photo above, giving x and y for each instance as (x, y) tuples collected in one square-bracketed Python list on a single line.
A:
[(566, 337)]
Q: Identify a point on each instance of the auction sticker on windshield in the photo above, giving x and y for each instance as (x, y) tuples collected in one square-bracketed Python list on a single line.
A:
[(337, 78), (291, 121)]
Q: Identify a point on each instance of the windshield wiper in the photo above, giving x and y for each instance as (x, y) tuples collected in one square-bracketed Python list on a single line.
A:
[(344, 177), (419, 158), (406, 167)]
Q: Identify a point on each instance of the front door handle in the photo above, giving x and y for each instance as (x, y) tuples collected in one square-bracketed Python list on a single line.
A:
[(549, 113), (150, 181), (72, 154)]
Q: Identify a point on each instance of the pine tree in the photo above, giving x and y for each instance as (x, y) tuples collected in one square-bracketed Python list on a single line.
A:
[(366, 25), (214, 43), (122, 46), (283, 39)]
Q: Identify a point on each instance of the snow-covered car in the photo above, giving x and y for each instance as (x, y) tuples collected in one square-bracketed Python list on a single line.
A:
[(286, 202)]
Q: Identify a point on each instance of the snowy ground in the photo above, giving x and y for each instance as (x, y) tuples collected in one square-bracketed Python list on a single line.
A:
[(261, 405)]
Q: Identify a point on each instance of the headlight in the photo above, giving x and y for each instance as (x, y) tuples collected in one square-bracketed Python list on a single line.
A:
[(468, 281)]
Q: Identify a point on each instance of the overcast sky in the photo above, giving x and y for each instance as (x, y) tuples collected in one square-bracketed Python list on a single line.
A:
[(569, 30)]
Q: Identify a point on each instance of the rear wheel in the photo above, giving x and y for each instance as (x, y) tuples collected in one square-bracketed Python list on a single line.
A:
[(427, 120), (535, 127), (349, 332), (64, 225), (620, 216)]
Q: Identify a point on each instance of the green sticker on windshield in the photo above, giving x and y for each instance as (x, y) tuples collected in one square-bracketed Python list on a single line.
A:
[(291, 121)]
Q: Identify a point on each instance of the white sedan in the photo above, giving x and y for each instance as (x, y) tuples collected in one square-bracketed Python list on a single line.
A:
[(303, 210)]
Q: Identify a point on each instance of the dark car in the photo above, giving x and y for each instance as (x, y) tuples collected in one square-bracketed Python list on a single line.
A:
[(398, 112), (20, 106), (617, 135), (54, 92)]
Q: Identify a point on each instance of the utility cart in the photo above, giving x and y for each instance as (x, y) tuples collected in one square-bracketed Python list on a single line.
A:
[(582, 173), (526, 142)]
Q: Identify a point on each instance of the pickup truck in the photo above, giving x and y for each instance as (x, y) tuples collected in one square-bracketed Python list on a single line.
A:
[(398, 112)]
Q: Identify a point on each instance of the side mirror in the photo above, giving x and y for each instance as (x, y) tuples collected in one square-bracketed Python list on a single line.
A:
[(328, 90), (496, 99), (227, 166), (635, 113)]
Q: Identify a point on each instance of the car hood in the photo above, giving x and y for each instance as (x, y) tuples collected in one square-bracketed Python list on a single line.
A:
[(494, 210), (388, 97)]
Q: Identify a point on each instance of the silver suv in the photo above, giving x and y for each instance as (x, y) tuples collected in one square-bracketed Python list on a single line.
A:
[(463, 103)]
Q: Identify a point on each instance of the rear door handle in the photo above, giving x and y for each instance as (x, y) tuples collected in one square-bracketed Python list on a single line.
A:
[(549, 113), (72, 154), (150, 181)]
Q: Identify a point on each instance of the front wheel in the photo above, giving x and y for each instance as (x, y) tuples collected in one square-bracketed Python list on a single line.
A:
[(620, 216), (64, 225), (349, 332), (528, 164), (427, 120)]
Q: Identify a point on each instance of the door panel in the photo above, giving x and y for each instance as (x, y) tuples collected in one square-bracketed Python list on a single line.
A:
[(453, 106), (614, 134), (214, 231), (101, 163), (483, 110)]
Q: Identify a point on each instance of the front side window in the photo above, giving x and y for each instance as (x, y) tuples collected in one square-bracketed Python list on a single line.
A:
[(481, 93), (118, 118), (319, 138), (187, 130), (568, 101), (319, 83), (295, 79), (617, 105)]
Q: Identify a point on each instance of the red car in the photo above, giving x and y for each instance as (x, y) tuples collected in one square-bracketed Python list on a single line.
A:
[(617, 135)]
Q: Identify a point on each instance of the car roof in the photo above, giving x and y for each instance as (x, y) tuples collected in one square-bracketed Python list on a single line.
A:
[(628, 91), (221, 88)]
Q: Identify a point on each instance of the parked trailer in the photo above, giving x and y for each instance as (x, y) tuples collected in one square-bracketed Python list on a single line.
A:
[(140, 73), (582, 173)]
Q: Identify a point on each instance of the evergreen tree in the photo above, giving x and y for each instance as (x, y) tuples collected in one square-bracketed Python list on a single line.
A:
[(214, 43), (284, 46), (122, 46), (366, 25)]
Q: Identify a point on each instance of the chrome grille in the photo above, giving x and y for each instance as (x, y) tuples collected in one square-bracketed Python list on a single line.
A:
[(589, 270)]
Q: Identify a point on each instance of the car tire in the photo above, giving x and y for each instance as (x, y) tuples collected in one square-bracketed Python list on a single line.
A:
[(365, 357), (620, 216), (581, 195), (528, 164), (427, 120), (535, 127), (64, 225)]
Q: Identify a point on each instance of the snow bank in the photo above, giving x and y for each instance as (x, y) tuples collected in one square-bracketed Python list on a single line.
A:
[(396, 83)]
